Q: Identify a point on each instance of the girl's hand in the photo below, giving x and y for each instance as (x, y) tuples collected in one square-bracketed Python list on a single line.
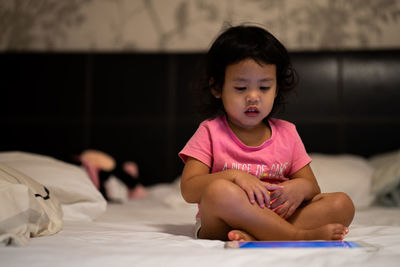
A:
[(256, 190), (286, 200), (302, 186)]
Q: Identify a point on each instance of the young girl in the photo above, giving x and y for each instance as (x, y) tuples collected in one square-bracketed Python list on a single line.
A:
[(249, 172)]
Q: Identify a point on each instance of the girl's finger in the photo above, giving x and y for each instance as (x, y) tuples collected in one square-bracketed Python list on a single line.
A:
[(290, 212), (276, 203), (277, 199), (250, 195), (281, 210), (260, 199), (272, 187), (275, 194), (267, 199)]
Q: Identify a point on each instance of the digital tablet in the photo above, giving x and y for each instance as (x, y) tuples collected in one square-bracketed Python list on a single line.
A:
[(299, 244)]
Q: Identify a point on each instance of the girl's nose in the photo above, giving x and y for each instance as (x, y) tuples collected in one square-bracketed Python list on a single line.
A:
[(252, 98)]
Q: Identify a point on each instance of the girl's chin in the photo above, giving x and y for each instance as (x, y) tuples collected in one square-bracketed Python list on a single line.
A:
[(248, 123)]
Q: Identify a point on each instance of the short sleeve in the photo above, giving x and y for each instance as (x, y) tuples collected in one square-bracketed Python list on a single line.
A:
[(300, 158), (199, 146)]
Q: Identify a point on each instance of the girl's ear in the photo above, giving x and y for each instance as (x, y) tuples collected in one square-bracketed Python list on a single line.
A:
[(215, 92)]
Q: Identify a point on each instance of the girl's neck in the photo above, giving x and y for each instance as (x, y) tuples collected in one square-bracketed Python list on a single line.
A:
[(252, 137)]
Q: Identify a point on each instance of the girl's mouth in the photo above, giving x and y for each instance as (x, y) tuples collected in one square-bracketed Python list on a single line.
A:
[(252, 112)]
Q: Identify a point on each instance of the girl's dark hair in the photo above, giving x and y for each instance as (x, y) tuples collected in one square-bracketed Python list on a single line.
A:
[(239, 43)]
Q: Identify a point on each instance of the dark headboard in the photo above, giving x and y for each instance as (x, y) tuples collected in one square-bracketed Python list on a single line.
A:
[(140, 106)]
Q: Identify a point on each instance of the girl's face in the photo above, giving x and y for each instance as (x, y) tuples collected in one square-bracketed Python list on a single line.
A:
[(248, 92)]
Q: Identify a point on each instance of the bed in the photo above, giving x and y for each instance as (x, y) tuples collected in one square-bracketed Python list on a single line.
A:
[(157, 230), (346, 112)]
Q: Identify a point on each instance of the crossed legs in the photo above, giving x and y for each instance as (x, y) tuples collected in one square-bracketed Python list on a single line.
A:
[(226, 213)]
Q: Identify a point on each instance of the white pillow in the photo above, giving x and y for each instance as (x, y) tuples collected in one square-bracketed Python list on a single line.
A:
[(350, 174), (79, 198)]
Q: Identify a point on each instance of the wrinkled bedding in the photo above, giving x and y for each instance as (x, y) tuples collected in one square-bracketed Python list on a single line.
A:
[(157, 231)]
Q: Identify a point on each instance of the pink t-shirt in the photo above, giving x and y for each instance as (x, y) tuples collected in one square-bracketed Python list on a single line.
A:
[(215, 144)]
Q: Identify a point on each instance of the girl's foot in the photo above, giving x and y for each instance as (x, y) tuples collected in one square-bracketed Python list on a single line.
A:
[(332, 231), (326, 232), (237, 235)]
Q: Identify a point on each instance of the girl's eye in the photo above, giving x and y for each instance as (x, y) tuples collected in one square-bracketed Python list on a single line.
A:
[(240, 88), (264, 88)]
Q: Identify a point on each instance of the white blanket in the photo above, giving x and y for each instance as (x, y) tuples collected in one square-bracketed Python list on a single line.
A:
[(157, 231)]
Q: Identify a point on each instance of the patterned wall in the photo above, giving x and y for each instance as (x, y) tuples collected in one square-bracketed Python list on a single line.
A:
[(190, 25)]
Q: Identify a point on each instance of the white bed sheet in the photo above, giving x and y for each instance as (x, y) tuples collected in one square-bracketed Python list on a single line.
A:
[(157, 231)]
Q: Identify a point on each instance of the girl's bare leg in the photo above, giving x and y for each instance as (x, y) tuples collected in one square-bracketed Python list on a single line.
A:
[(225, 207), (324, 209)]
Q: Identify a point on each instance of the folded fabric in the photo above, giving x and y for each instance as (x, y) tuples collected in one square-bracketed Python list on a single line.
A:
[(28, 209)]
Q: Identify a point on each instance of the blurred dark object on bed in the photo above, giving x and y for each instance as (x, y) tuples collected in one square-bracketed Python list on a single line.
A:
[(102, 167), (140, 106)]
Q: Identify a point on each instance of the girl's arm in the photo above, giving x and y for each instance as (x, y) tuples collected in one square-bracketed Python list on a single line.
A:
[(310, 185), (196, 177), (302, 186)]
